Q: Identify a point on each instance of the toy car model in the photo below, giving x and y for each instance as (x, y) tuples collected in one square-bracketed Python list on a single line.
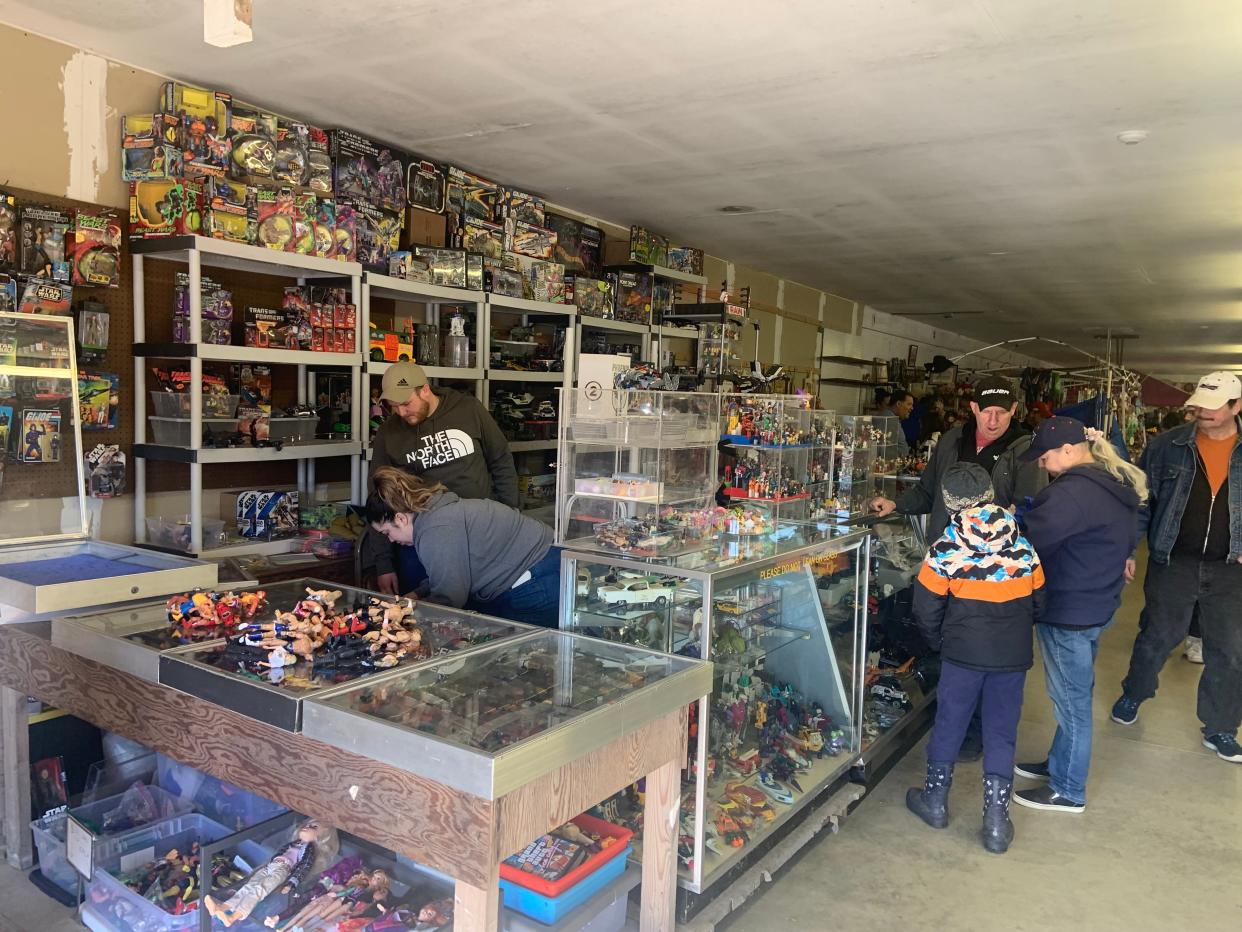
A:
[(638, 592), (390, 347)]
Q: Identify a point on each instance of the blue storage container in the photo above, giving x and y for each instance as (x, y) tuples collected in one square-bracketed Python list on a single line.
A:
[(550, 910)]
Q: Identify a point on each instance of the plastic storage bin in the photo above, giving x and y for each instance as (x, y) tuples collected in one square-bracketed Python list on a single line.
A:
[(551, 909), (621, 837), (175, 431), (606, 912), (109, 900), (49, 833), (177, 404), (174, 533), (225, 803), (293, 429)]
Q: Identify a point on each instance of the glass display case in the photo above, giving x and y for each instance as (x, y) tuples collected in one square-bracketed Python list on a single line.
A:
[(896, 463), (781, 616), (635, 466), (776, 457), (854, 454), (508, 713), (234, 665), (47, 561)]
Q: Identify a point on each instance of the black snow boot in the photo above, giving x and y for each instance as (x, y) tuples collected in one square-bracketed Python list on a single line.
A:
[(997, 829), (931, 803)]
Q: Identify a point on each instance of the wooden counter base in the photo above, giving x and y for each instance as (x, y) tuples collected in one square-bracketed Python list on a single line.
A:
[(457, 833)]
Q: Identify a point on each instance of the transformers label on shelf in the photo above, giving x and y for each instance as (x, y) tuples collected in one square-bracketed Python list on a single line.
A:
[(369, 172)]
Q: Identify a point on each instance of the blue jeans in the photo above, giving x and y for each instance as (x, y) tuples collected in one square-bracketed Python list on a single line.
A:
[(534, 602), (1069, 672), (999, 699)]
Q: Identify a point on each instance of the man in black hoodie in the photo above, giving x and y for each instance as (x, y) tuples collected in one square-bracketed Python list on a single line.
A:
[(443, 436)]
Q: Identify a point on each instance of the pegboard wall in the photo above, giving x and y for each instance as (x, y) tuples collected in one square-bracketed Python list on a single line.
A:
[(42, 480)]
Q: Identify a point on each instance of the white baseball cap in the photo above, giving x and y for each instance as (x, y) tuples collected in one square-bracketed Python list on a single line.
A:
[(1215, 390)]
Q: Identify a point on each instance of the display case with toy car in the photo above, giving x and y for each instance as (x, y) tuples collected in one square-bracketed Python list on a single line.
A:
[(48, 563), (636, 460), (776, 457), (781, 614)]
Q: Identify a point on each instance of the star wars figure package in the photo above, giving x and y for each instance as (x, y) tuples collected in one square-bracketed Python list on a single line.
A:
[(267, 514), (51, 299), (44, 234), (105, 471), (10, 227), (424, 186)]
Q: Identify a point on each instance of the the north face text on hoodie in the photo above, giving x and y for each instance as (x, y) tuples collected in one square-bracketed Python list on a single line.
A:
[(440, 448)]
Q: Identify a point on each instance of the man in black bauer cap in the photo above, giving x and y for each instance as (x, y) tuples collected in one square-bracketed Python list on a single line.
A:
[(991, 438)]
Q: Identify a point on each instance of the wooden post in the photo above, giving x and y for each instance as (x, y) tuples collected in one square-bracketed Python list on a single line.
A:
[(663, 800), (477, 909), (15, 730)]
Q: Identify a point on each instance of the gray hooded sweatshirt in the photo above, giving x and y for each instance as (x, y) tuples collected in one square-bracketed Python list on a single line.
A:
[(475, 549)]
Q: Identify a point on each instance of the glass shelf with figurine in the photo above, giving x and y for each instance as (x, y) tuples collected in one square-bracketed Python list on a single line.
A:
[(636, 470), (783, 719), (854, 466)]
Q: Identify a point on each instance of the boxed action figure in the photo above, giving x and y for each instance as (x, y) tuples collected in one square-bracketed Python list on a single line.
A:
[(202, 119), (345, 233), (8, 293), (96, 249), (262, 326), (10, 232), (40, 436), (45, 231), (633, 297), (150, 148), (647, 247), (99, 399), (292, 165), (378, 235), (160, 209), (319, 161), (595, 297), (105, 471), (506, 282), (252, 134), (474, 271), (217, 307), (471, 195), (517, 205), (265, 514), (579, 246), (323, 228), (274, 218), (51, 299), (305, 207), (685, 259), (228, 211), (368, 172), (487, 239), (424, 186), (526, 239), (448, 266), (543, 281)]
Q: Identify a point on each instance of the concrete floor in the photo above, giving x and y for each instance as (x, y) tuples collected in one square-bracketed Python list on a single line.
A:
[(1159, 847)]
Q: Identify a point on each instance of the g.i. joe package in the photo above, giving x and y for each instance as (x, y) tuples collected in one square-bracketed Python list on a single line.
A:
[(526, 239), (368, 172), (448, 266), (39, 439), (424, 186), (10, 225), (543, 281), (203, 127), (96, 249), (518, 205), (149, 147), (685, 259), (471, 195), (252, 134), (579, 246), (44, 234), (165, 208), (487, 239)]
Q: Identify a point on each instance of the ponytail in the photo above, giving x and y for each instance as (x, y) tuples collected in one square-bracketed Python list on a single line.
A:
[(1104, 453)]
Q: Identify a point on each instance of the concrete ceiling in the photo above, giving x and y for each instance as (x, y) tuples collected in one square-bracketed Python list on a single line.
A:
[(924, 156)]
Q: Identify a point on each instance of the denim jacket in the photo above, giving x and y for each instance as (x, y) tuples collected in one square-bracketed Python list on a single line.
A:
[(1170, 462)]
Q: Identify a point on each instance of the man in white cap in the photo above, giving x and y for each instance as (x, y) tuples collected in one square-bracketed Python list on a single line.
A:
[(1193, 523), (443, 436)]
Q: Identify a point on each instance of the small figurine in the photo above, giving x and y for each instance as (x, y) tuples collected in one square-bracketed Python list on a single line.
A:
[(312, 847)]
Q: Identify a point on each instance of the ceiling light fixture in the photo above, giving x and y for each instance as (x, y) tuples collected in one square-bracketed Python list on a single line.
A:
[(227, 22), (1132, 137)]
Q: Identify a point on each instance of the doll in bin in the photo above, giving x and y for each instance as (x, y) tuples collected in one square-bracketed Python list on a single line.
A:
[(313, 847)]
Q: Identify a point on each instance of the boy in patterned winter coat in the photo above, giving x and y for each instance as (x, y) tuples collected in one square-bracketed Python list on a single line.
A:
[(976, 599)]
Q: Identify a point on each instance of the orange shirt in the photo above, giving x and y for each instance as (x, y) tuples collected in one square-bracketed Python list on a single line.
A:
[(1216, 455)]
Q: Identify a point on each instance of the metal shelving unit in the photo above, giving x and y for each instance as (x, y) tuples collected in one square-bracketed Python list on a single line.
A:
[(197, 252)]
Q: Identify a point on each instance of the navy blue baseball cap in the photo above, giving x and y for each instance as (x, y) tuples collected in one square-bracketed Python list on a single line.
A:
[(1052, 433)]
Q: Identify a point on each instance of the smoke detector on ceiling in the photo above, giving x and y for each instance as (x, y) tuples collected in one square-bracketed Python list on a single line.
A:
[(1132, 137)]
